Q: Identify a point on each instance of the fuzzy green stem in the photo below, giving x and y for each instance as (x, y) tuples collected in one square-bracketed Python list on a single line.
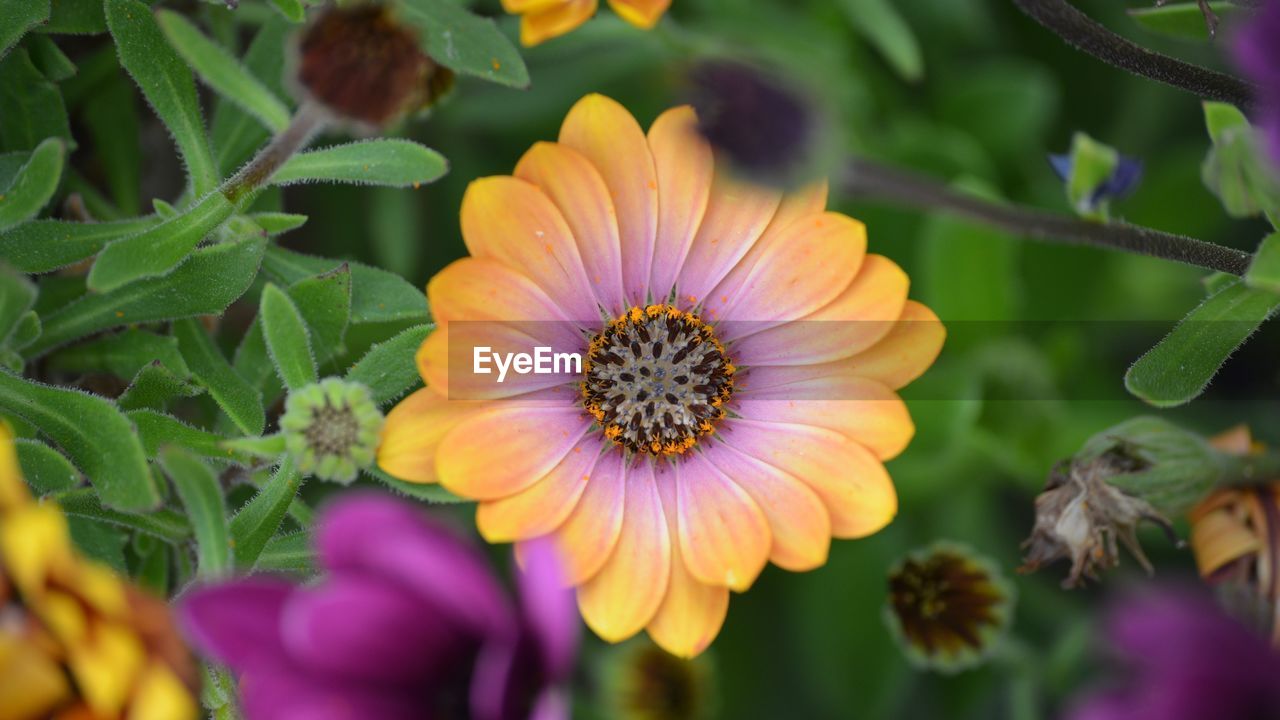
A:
[(871, 180), (1089, 36), (307, 122)]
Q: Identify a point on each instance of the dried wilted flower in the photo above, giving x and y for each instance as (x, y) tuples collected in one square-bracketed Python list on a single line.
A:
[(1144, 469), (1235, 535), (948, 607), (363, 65)]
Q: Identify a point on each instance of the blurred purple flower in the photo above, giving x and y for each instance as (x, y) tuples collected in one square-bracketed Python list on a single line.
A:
[(1186, 660), (1257, 52), (406, 622)]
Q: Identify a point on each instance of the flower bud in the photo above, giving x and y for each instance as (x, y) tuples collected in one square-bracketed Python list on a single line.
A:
[(762, 125), (363, 65), (1142, 469), (1095, 174), (647, 683), (948, 607), (331, 429)]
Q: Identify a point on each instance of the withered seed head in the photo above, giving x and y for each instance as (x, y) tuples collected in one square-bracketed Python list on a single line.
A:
[(1080, 516), (364, 66)]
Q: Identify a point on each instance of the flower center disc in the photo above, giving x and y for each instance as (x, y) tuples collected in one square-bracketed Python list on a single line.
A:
[(657, 380)]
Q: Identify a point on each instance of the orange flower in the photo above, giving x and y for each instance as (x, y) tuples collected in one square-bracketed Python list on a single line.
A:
[(76, 641), (737, 399), (542, 20)]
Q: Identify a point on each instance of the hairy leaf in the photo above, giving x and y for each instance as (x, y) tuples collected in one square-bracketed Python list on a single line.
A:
[(93, 432)]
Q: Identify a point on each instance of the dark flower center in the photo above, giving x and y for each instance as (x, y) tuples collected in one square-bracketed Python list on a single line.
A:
[(944, 602), (333, 430), (657, 380)]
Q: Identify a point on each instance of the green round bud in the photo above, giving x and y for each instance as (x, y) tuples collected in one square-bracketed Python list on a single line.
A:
[(331, 429)]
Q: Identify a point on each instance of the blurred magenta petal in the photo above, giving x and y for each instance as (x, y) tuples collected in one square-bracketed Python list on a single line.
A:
[(367, 629), (280, 694), (1257, 52), (406, 621), (237, 623), (549, 606), (374, 534), (1185, 660)]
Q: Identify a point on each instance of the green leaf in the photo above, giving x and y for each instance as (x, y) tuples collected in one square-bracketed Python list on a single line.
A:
[(152, 566), (110, 114), (93, 432), (881, 25), (289, 553), (17, 295), (155, 386), (237, 398), (387, 162), (287, 341), (31, 107), (292, 10), (45, 245), (1182, 20), (464, 42), (376, 295), (34, 184), (44, 468), (325, 303), (277, 223), (255, 523), (157, 429), (76, 17), (166, 83), (1179, 368), (204, 285), (389, 369), (98, 541), (1264, 271), (155, 251), (222, 72), (124, 354), (17, 17), (26, 331), (1237, 169), (236, 134), (429, 492), (163, 524), (49, 58), (201, 496)]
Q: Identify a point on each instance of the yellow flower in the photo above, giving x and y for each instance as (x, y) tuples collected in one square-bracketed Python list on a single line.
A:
[(737, 398), (75, 639), (542, 20)]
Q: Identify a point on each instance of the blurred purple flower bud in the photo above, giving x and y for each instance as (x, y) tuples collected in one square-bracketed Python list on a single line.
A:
[(1257, 52), (406, 622), (1185, 660), (764, 127)]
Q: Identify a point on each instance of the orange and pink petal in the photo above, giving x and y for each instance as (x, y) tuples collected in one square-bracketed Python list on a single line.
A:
[(625, 595)]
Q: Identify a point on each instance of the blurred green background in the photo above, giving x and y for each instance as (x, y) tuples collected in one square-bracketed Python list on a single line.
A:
[(1040, 336)]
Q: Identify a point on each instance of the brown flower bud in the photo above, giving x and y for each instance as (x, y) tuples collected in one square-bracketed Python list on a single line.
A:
[(363, 65)]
